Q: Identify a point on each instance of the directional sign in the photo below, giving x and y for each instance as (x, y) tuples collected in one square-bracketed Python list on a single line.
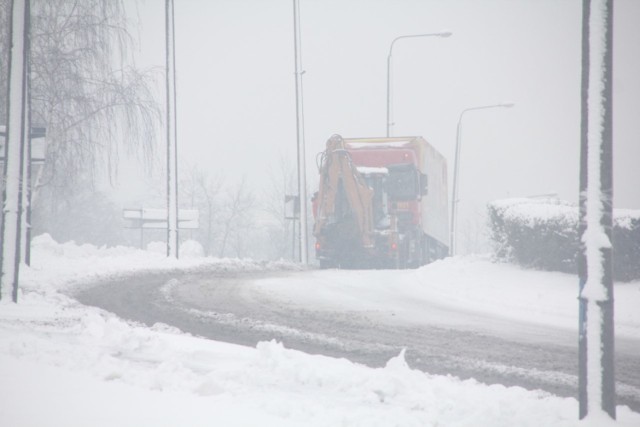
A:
[(157, 218), (291, 207)]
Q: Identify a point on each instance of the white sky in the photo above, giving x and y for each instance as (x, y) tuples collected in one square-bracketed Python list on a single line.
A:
[(236, 102)]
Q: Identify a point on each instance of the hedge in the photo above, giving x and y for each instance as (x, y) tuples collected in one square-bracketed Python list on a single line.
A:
[(543, 234)]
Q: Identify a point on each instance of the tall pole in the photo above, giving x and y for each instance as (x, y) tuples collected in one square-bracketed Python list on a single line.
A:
[(25, 227), (454, 190), (389, 56), (35, 133), (17, 134), (456, 168), (302, 177), (172, 136), (596, 367)]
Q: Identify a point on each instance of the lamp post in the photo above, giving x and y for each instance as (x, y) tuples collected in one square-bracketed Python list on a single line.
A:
[(302, 174), (440, 34), (172, 134), (456, 167)]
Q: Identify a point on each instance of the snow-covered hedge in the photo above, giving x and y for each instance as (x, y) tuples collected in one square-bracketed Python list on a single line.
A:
[(543, 234)]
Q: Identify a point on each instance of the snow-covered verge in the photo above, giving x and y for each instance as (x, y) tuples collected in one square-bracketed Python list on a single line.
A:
[(470, 285), (65, 364), (64, 266)]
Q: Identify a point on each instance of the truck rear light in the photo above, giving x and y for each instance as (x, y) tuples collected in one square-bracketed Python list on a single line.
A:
[(317, 246), (394, 246)]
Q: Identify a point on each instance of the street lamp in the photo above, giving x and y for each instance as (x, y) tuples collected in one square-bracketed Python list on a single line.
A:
[(302, 175), (440, 34), (456, 166)]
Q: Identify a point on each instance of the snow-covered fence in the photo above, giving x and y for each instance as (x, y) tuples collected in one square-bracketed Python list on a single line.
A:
[(543, 234)]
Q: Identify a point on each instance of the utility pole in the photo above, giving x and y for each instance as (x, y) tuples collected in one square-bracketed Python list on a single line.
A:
[(596, 382), (302, 175), (25, 181), (172, 135), (17, 135)]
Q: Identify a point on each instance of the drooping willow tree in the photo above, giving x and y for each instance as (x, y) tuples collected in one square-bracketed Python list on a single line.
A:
[(86, 91)]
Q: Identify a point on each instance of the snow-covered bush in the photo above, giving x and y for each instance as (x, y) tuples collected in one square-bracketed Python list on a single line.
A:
[(543, 234), (191, 249), (626, 244), (157, 247), (187, 249)]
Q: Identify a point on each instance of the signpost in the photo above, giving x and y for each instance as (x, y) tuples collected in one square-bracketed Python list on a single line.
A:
[(292, 212), (145, 218)]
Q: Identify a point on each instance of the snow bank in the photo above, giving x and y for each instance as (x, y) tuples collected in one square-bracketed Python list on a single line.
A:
[(191, 249), (57, 266), (60, 363)]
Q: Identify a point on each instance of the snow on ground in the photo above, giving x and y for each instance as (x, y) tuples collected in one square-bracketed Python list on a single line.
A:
[(65, 364), (471, 284)]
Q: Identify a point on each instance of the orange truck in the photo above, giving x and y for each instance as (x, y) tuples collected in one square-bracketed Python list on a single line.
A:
[(381, 203)]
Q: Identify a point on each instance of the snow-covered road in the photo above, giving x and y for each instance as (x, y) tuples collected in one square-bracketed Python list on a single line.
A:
[(522, 337)]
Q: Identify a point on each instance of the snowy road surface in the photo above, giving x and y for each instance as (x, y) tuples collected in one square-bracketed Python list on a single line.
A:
[(525, 337)]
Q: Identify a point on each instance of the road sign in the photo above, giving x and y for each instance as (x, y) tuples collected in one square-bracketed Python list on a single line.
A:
[(291, 207), (157, 218)]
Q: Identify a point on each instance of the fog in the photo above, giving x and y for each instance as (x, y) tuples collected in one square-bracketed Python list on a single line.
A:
[(236, 100)]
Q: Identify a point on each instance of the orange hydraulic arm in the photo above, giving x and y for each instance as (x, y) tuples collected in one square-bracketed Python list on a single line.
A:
[(337, 168)]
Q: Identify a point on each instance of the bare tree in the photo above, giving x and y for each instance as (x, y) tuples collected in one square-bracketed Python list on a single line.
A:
[(208, 189), (240, 202), (281, 232)]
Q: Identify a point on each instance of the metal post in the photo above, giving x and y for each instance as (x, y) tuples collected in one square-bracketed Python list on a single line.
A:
[(141, 229), (27, 190), (596, 365), (39, 132), (172, 135), (389, 88), (454, 195), (17, 134), (302, 178), (25, 182)]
